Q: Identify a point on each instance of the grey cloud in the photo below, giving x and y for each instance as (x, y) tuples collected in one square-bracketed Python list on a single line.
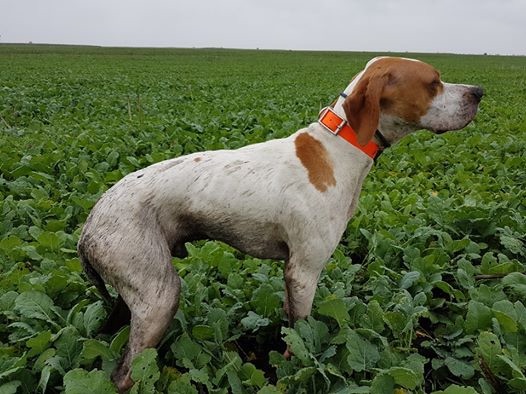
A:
[(469, 26)]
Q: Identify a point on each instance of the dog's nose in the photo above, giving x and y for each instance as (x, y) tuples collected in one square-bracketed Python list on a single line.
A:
[(477, 92)]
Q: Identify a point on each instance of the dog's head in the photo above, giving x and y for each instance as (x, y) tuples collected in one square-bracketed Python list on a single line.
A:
[(398, 96)]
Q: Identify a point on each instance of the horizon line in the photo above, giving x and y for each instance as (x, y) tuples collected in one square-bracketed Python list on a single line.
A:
[(257, 49)]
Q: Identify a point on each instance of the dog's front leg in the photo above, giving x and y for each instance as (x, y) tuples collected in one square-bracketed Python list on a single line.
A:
[(300, 288), (302, 271), (301, 279)]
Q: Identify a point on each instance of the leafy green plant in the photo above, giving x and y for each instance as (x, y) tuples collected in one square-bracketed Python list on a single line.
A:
[(425, 293)]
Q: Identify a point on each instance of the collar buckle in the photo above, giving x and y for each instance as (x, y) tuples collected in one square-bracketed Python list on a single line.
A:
[(326, 119), (338, 126)]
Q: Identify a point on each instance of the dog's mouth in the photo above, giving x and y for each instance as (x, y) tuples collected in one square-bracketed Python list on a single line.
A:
[(462, 119)]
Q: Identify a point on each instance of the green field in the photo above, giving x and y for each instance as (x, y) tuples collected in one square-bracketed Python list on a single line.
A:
[(426, 292)]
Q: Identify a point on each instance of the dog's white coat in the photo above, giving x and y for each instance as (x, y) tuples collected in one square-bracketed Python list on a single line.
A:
[(258, 198)]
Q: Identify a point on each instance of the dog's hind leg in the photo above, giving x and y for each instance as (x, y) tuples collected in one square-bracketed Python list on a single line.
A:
[(152, 296)]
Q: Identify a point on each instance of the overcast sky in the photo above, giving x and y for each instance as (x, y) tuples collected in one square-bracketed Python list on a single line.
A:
[(459, 26)]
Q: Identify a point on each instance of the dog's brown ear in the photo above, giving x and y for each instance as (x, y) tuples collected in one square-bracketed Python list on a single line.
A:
[(362, 106)]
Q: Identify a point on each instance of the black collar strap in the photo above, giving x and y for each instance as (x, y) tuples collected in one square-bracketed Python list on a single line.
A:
[(383, 144), (382, 140)]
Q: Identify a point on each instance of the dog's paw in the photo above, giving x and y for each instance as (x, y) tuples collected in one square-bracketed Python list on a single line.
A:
[(287, 354)]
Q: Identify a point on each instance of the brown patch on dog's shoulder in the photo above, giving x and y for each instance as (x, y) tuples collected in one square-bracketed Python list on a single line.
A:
[(198, 159), (316, 160)]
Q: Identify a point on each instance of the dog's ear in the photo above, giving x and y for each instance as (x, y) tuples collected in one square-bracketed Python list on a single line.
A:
[(362, 106)]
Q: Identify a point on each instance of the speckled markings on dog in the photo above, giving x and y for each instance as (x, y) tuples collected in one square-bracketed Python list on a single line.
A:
[(286, 199)]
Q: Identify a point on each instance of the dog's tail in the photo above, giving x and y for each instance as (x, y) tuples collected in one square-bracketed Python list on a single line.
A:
[(120, 314), (94, 276)]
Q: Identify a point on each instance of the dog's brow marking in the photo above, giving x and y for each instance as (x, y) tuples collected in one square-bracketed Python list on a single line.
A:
[(316, 160)]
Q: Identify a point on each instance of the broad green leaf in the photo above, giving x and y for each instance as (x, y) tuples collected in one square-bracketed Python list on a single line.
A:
[(93, 348), (513, 244), (10, 387), (297, 345), (236, 387), (36, 305), (404, 377), (335, 308), (181, 385), (253, 321), (199, 375), (455, 389), (327, 353), (75, 314), (45, 374), (7, 301), (363, 355), (189, 353), (358, 390), (252, 376), (459, 368), (521, 314), (489, 348), (39, 343), (218, 319), (69, 346), (485, 386), (505, 313), (50, 241), (112, 158), (269, 389), (515, 370), (516, 281), (185, 349), (41, 360), (265, 300), (304, 374), (9, 243), (202, 332), (457, 245), (79, 381), (409, 279), (335, 371), (120, 340), (232, 363), (383, 384), (375, 315), (313, 333), (93, 317), (396, 321), (478, 317), (144, 371), (10, 371), (416, 363), (518, 383)]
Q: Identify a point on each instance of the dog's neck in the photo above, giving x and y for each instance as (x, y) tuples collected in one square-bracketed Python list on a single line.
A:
[(392, 128), (338, 107)]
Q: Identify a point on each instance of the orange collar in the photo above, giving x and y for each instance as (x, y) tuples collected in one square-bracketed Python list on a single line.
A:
[(336, 125)]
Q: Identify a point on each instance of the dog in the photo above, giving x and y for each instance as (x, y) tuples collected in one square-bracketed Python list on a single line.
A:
[(285, 199)]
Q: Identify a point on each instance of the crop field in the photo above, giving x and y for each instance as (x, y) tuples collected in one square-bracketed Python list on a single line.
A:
[(425, 293)]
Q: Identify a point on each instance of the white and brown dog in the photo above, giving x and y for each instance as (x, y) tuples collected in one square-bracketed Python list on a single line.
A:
[(286, 199)]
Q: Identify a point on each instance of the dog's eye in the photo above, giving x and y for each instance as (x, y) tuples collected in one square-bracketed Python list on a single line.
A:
[(433, 86)]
